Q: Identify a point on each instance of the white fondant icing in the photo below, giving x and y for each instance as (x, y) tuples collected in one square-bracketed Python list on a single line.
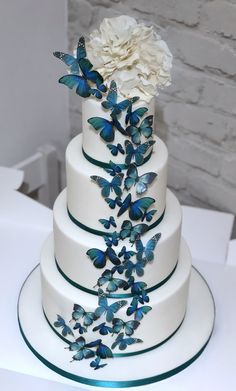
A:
[(168, 302), (93, 144), (72, 243), (84, 198)]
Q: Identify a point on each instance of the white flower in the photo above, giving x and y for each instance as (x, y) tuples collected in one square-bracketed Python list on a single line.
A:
[(132, 54)]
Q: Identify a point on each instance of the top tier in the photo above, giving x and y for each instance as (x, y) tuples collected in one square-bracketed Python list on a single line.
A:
[(93, 145)]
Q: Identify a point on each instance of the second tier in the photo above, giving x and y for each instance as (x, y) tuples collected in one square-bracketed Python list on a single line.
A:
[(85, 202), (72, 244)]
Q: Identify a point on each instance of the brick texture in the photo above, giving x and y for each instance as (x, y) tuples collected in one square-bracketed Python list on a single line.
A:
[(196, 115)]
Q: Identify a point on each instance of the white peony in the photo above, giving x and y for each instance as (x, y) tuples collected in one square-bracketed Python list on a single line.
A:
[(132, 54)]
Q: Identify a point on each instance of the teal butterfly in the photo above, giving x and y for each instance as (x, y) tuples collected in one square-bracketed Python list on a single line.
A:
[(137, 311), (129, 327), (78, 326), (136, 154), (95, 364), (126, 254), (113, 168), (145, 129), (79, 312), (115, 149), (100, 257), (132, 231), (103, 329), (146, 252), (131, 267), (82, 349), (148, 215), (82, 74), (141, 182), (106, 127), (60, 323), (123, 342), (108, 223), (106, 309), (112, 240), (136, 208), (111, 102), (133, 117), (112, 283), (113, 203), (107, 186)]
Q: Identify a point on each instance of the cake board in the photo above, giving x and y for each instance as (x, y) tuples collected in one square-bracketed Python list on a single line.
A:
[(183, 348)]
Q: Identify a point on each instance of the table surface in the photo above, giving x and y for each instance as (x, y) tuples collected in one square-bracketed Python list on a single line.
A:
[(24, 225)]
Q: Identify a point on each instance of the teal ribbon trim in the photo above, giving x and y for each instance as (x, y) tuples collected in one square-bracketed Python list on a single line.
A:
[(108, 383), (107, 165), (120, 354), (112, 295), (102, 233)]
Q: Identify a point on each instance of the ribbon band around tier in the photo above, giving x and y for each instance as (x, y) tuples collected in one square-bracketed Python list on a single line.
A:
[(113, 295), (103, 233), (107, 165)]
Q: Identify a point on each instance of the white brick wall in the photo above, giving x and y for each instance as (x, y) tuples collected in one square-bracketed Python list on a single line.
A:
[(196, 116)]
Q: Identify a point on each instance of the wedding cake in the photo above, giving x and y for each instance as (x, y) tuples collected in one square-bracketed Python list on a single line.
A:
[(115, 272)]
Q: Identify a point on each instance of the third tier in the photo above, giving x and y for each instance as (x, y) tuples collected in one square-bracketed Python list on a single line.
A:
[(84, 201)]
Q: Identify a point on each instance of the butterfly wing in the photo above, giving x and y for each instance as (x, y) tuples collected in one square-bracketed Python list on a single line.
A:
[(81, 85), (116, 183), (69, 60), (112, 256), (119, 107), (150, 247), (104, 126), (138, 207), (143, 182), (130, 326), (134, 133), (129, 150), (86, 68), (140, 312), (146, 126), (98, 257), (111, 96), (137, 231), (78, 312), (103, 184), (125, 205), (81, 51), (136, 115), (131, 176), (104, 351)]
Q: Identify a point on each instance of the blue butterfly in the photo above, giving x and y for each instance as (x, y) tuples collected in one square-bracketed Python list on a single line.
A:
[(107, 223), (136, 208), (113, 203), (82, 349), (144, 129), (113, 168), (134, 267), (106, 127), (133, 117), (137, 287), (141, 182), (129, 327), (111, 102), (71, 61), (136, 154), (83, 73), (79, 312), (113, 240), (107, 186), (103, 329), (100, 257), (122, 342), (138, 312), (66, 330), (78, 326), (109, 310), (148, 215), (145, 253), (113, 283), (115, 149), (126, 254), (132, 232), (103, 351), (95, 364)]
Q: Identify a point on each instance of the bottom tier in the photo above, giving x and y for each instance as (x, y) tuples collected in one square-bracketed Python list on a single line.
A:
[(66, 306), (172, 357)]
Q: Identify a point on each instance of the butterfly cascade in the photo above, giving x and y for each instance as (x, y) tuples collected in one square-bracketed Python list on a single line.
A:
[(81, 75)]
